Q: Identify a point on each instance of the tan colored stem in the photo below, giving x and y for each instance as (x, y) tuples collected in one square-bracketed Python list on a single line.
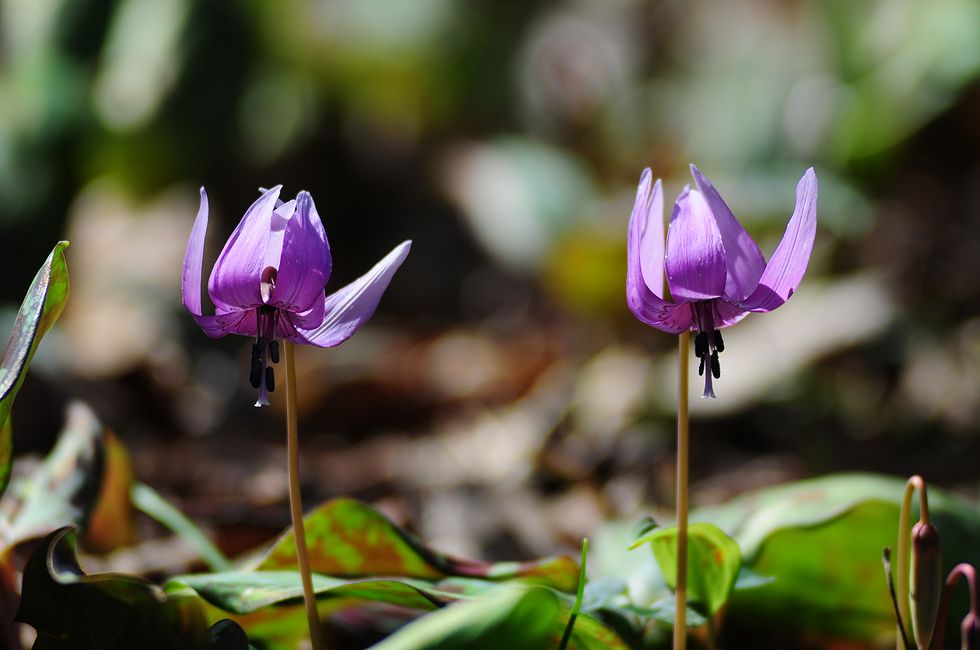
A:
[(680, 615), (916, 483), (295, 501)]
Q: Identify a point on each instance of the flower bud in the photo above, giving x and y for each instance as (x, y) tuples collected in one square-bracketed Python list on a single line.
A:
[(927, 582), (970, 631)]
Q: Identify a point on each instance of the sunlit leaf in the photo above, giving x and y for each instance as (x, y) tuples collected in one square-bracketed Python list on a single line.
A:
[(516, 620), (247, 591), (268, 604), (792, 533), (40, 309), (71, 610), (348, 538), (713, 561)]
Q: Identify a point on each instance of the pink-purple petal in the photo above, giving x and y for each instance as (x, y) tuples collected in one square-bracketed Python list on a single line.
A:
[(695, 259), (788, 264), (237, 274), (644, 262), (726, 313), (194, 259), (348, 309), (236, 322), (742, 255), (281, 217), (665, 316), (647, 230), (305, 264), (311, 318)]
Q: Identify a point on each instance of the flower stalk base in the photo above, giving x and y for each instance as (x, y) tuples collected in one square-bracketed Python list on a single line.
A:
[(295, 502), (680, 615)]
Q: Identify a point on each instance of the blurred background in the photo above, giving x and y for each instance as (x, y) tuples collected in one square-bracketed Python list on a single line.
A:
[(503, 401)]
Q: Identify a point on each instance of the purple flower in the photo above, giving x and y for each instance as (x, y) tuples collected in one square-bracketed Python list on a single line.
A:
[(715, 271), (269, 282)]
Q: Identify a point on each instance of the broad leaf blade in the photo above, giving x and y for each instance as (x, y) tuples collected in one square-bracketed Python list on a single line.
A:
[(517, 621), (348, 538), (41, 307), (713, 562), (108, 611), (245, 592)]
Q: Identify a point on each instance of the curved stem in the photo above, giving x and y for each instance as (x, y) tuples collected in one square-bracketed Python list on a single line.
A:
[(916, 483), (295, 502), (968, 573), (680, 613)]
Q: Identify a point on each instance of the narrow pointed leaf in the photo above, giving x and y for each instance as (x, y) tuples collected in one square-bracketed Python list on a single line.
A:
[(40, 309), (149, 501)]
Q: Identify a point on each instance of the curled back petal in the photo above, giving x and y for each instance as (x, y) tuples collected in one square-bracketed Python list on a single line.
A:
[(665, 316), (788, 264), (305, 265), (695, 259), (236, 277), (644, 263), (646, 230), (348, 309), (742, 255), (194, 259)]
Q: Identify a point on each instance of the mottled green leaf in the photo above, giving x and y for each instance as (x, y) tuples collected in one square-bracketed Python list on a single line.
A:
[(251, 595), (348, 538), (247, 591), (713, 562), (41, 307), (72, 610)]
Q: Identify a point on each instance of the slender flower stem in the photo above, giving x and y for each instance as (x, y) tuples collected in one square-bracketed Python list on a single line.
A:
[(680, 615), (295, 503), (916, 483)]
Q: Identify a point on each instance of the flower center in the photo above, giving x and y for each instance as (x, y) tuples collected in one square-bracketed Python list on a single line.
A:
[(264, 350), (708, 343)]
